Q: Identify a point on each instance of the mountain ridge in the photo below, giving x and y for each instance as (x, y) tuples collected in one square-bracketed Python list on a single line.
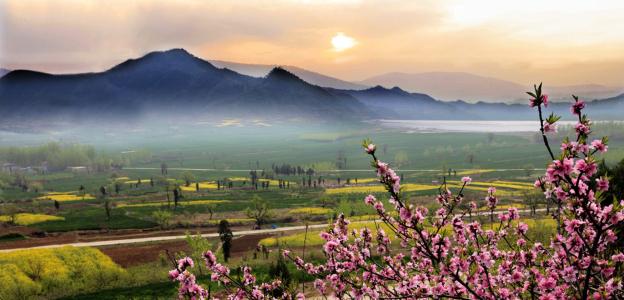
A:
[(260, 70), (175, 84), (450, 86), (172, 81)]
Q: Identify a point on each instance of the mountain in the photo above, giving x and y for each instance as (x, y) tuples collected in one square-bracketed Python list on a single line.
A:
[(3, 71), (308, 76), (169, 83), (450, 86), (398, 103), (176, 87)]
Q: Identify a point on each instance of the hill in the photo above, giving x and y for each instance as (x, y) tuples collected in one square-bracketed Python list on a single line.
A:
[(451, 86), (256, 70)]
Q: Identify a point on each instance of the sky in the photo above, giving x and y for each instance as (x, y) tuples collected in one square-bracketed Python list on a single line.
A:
[(555, 41)]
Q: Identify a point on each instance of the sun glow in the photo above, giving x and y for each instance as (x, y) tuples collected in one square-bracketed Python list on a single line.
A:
[(342, 42)]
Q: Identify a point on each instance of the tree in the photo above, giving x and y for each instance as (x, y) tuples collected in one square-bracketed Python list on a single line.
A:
[(163, 169), (105, 201), (107, 208), (197, 244), (162, 218), (225, 234), (11, 210), (532, 199), (176, 196), (57, 205), (188, 177), (211, 208), (449, 258), (259, 211), (279, 270), (81, 191)]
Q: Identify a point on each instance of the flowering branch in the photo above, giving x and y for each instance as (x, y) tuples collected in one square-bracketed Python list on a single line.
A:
[(448, 257)]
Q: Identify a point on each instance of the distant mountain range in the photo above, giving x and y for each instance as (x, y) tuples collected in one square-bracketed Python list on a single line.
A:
[(446, 86), (450, 86), (175, 84), (171, 82), (308, 76)]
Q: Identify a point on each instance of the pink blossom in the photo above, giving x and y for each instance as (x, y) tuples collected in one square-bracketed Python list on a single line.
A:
[(466, 180), (210, 258), (523, 228), (185, 262), (603, 184), (582, 129), (469, 261), (598, 145), (173, 274), (370, 148), (577, 107), (550, 128)]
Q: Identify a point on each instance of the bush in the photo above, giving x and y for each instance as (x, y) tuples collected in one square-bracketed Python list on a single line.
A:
[(55, 272)]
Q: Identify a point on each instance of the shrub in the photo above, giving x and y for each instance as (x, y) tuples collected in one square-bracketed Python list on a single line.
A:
[(51, 273)]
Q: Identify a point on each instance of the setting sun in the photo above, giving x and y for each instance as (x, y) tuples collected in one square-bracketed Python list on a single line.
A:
[(342, 42)]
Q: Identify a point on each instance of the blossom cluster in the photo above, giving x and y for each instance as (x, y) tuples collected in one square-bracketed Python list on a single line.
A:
[(413, 254)]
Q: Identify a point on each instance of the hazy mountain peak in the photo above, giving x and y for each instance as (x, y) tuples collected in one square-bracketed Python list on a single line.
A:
[(279, 73), (381, 89), (397, 89), (260, 70), (173, 59), (377, 88)]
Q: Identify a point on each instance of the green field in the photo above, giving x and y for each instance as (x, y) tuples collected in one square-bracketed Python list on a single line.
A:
[(511, 162)]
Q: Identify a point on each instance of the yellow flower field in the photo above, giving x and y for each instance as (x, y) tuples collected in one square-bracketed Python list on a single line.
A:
[(310, 211), (503, 185), (314, 239), (271, 181), (202, 186), (40, 273), (26, 219), (521, 183), (193, 202), (367, 180), (504, 189), (408, 187), (61, 193), (69, 196)]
